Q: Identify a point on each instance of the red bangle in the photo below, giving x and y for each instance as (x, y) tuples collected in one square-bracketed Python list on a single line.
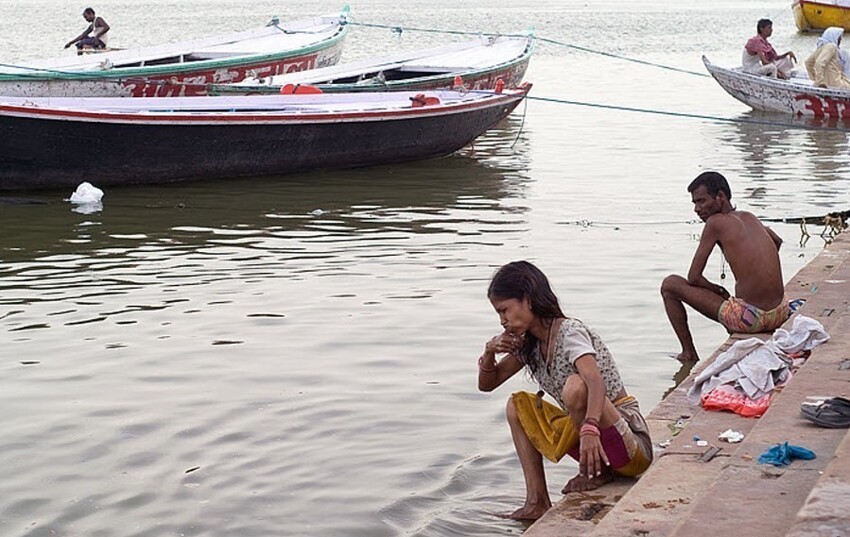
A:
[(588, 429), (485, 369), (591, 421)]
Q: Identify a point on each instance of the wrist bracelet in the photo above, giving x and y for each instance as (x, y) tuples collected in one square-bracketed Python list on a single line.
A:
[(485, 369), (591, 421), (589, 429)]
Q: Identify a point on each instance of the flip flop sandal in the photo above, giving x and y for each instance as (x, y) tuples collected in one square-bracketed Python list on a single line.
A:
[(833, 413)]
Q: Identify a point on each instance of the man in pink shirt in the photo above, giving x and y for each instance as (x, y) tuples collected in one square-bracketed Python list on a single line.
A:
[(760, 58)]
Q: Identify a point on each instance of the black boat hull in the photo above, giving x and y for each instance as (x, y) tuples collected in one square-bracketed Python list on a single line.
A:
[(39, 153)]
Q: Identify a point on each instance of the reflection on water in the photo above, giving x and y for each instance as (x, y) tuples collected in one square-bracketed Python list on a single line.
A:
[(361, 200), (776, 147), (312, 222), (679, 377), (821, 148), (765, 143), (782, 149)]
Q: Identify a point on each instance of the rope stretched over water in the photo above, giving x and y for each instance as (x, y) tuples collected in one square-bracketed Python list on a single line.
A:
[(400, 29), (686, 115)]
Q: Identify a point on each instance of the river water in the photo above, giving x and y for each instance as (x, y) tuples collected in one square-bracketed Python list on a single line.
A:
[(297, 355)]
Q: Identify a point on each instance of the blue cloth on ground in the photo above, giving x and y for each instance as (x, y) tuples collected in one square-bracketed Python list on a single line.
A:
[(796, 303), (782, 454)]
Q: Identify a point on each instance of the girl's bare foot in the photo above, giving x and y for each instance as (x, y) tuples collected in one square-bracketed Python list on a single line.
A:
[(687, 358), (527, 512), (580, 483)]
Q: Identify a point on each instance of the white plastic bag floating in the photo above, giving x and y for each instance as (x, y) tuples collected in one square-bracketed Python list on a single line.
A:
[(87, 198), (86, 193)]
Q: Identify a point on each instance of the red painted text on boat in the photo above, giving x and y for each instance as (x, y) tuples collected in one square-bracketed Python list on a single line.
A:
[(813, 105), (195, 84)]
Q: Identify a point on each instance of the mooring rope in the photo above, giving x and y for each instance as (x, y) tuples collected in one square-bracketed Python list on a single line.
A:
[(400, 29), (522, 123), (685, 114)]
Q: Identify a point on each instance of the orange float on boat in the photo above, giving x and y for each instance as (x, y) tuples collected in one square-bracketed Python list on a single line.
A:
[(299, 89)]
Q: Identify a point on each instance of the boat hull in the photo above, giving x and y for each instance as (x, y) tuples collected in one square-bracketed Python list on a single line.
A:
[(61, 153), (817, 16), (511, 72), (188, 84), (772, 95), (186, 79)]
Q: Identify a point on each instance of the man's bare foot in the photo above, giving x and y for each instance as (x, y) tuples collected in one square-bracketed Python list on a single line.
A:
[(687, 357), (580, 483), (527, 512)]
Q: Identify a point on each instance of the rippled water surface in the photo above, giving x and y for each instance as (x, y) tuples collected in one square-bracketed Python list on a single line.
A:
[(296, 355)]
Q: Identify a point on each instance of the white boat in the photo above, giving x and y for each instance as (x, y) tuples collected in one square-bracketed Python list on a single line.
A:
[(184, 68), (478, 64), (796, 96)]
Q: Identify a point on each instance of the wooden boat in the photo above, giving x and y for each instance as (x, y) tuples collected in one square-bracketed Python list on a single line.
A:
[(795, 96), (479, 63), (184, 68), (821, 14), (61, 142)]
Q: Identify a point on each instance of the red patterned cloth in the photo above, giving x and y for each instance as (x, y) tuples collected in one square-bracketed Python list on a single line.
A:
[(726, 397)]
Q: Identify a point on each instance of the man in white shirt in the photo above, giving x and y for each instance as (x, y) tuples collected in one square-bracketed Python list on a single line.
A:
[(94, 36)]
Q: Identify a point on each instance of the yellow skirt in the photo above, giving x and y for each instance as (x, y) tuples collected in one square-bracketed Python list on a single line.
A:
[(554, 435)]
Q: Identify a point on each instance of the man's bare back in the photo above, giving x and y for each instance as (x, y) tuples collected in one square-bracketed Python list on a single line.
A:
[(752, 251), (753, 257)]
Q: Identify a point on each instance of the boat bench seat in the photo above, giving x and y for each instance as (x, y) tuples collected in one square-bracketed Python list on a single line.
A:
[(200, 55), (92, 50), (432, 68)]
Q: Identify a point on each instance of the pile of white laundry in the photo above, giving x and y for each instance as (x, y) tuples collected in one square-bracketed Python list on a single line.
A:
[(755, 367)]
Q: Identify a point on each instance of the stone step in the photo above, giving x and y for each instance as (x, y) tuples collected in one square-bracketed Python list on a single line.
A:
[(825, 512), (762, 500), (678, 482), (682, 472)]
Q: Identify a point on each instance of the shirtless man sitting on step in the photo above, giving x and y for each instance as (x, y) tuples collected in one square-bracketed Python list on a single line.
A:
[(752, 251)]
